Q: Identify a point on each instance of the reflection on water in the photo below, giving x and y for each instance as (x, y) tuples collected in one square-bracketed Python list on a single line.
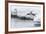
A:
[(17, 23)]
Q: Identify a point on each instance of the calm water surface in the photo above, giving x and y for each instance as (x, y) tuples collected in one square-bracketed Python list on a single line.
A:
[(17, 23)]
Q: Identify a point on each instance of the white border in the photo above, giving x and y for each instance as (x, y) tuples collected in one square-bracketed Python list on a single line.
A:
[(21, 29)]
